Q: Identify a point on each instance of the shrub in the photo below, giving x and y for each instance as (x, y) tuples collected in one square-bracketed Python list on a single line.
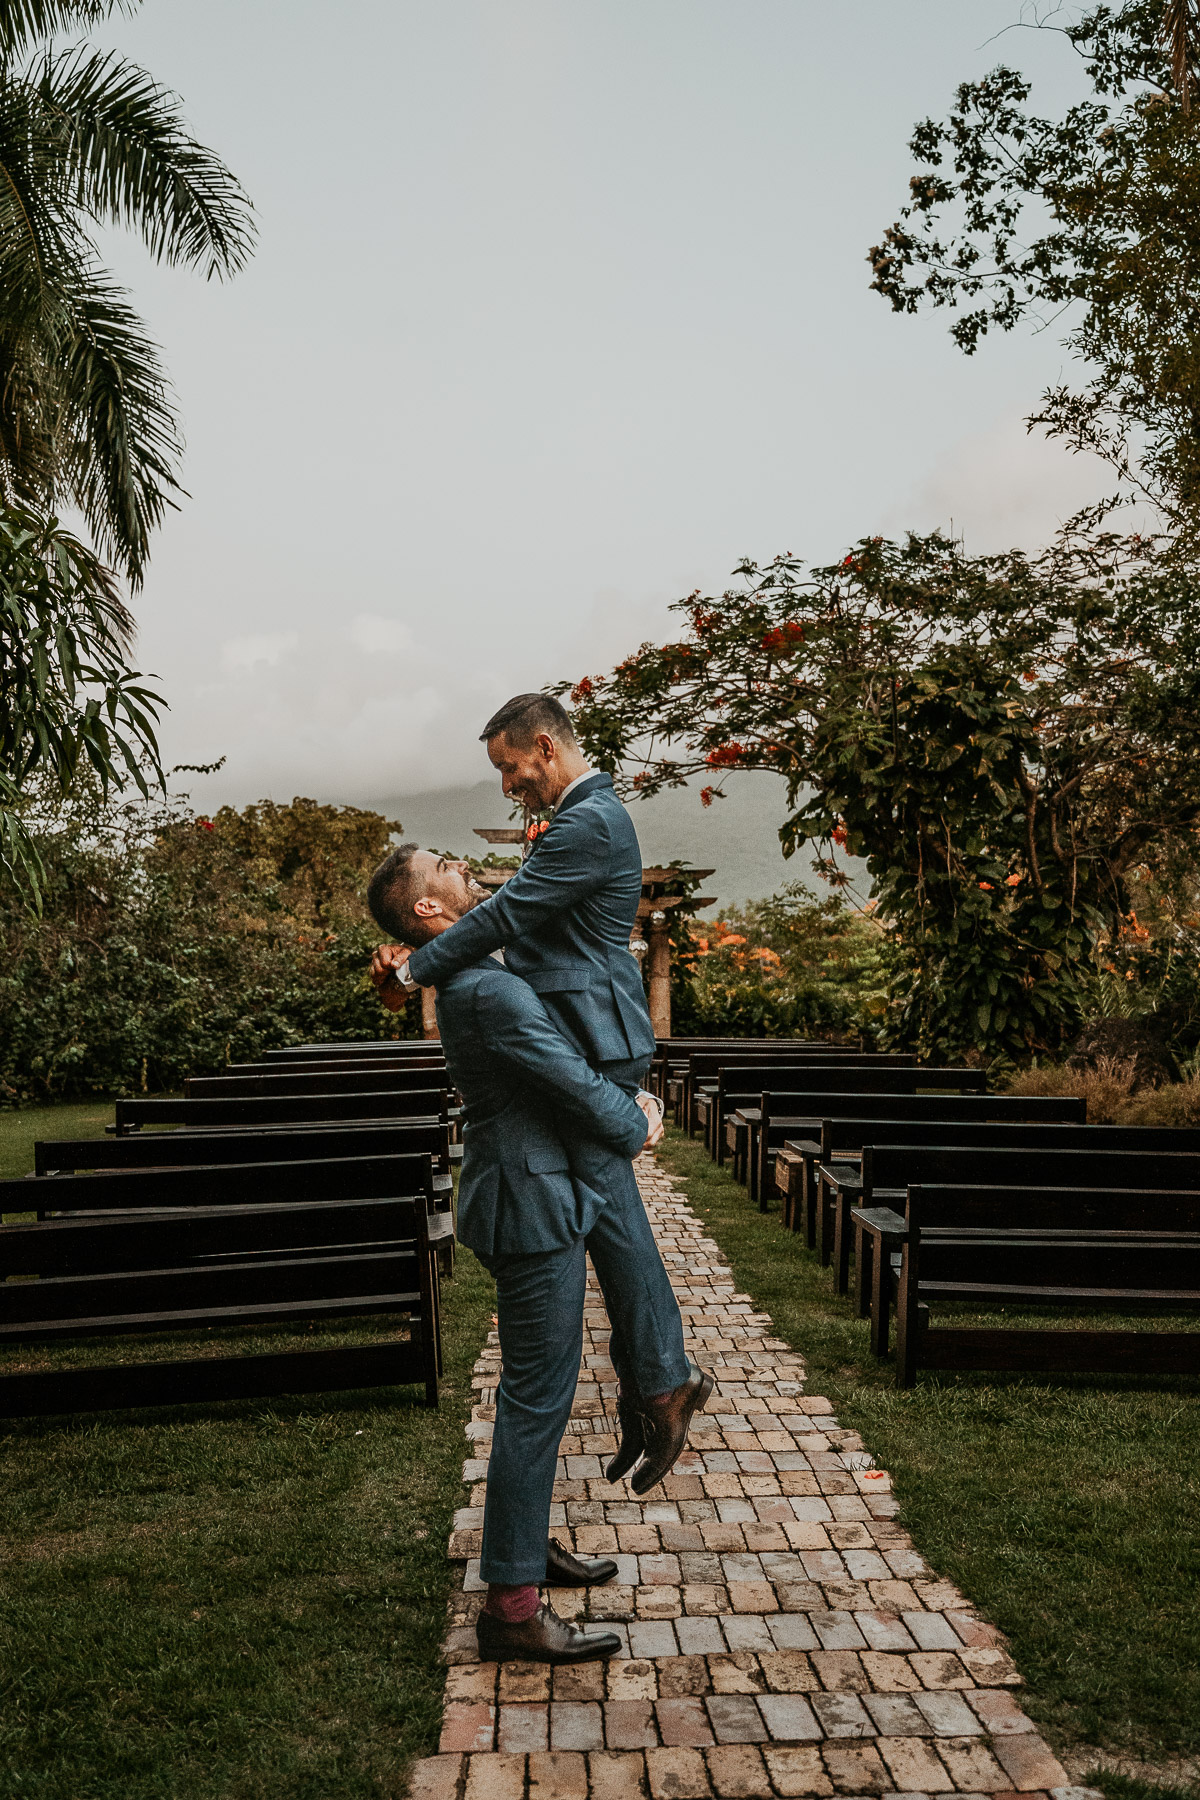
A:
[(172, 944), (789, 965), (1112, 1098)]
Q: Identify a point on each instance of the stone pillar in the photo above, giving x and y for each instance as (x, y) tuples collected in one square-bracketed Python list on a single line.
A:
[(429, 1025), (658, 973)]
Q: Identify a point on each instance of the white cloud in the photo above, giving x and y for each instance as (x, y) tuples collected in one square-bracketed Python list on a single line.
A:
[(268, 647), (1004, 487), (380, 636)]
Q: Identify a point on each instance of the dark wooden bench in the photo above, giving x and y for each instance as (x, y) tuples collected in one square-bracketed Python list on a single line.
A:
[(1141, 1140), (743, 1091), (335, 1065), (795, 1159), (703, 1067), (390, 1046), (151, 1251), (887, 1171), (727, 1107), (1027, 1248), (365, 1080), (280, 1143), (283, 1109), (668, 1066)]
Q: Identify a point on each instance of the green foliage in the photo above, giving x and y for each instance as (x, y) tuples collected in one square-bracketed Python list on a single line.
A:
[(1003, 740), (1091, 215), (789, 965), (68, 696), (171, 944), (88, 139)]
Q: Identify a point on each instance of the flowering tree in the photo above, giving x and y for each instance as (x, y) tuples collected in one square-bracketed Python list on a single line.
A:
[(1003, 740)]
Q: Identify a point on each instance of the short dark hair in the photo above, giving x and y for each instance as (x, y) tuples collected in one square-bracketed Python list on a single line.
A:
[(392, 890), (525, 717)]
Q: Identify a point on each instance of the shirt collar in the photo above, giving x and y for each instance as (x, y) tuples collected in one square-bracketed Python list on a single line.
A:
[(572, 785)]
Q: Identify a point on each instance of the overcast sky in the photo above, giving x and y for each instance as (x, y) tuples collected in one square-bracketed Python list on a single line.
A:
[(559, 309)]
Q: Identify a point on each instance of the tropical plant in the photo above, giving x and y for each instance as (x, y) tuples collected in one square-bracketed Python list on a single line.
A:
[(69, 698), (1091, 217), (88, 139), (1004, 740)]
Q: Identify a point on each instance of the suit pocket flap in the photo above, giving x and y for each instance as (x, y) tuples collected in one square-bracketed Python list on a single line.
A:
[(547, 1159), (557, 981)]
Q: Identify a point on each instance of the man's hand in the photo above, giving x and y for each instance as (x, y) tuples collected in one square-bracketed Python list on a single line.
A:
[(388, 965), (652, 1108)]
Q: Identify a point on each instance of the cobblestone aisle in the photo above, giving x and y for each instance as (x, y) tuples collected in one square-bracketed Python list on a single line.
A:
[(782, 1636)]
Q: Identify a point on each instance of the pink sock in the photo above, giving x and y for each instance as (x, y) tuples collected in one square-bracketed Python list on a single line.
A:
[(512, 1604)]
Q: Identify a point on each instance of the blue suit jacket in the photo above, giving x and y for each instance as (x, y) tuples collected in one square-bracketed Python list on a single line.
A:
[(541, 1125), (563, 921)]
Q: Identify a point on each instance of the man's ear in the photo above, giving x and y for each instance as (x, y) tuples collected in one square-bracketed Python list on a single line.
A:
[(427, 907), (546, 746)]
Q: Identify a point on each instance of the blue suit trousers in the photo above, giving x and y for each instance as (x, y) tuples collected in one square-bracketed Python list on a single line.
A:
[(539, 1309)]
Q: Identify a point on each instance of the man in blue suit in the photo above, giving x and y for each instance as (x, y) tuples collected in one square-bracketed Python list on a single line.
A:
[(564, 921), (545, 1141)]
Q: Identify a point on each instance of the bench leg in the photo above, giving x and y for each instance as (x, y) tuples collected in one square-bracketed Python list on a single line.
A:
[(431, 1332), (841, 1242), (907, 1319), (824, 1223), (810, 1203), (881, 1296), (864, 1256)]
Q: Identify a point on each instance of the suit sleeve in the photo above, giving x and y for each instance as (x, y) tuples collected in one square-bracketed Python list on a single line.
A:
[(570, 862), (510, 1017)]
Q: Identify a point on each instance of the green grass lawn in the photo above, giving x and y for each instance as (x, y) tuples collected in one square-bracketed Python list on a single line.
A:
[(1064, 1507), (19, 1131), (232, 1602)]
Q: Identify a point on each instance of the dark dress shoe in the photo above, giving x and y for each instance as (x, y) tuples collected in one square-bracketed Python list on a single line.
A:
[(666, 1428), (543, 1638), (633, 1439), (565, 1570)]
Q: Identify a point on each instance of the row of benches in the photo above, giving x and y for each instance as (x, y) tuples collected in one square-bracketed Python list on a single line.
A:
[(312, 1187), (941, 1194)]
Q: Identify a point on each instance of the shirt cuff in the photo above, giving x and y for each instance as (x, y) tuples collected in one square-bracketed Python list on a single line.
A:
[(403, 976)]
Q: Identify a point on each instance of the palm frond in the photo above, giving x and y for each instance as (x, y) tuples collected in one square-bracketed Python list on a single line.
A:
[(121, 442), (1180, 34), (130, 159), (23, 22)]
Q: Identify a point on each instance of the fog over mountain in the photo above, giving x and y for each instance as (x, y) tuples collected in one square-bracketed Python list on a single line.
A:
[(737, 837)]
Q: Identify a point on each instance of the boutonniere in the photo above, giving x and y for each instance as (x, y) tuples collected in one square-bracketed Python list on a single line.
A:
[(533, 835)]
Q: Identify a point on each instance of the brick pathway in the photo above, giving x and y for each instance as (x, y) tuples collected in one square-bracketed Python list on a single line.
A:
[(780, 1634)]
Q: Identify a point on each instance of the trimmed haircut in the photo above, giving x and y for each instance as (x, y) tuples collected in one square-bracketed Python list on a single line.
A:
[(525, 717), (392, 890)]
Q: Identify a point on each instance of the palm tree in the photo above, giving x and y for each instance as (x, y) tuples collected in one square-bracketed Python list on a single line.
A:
[(87, 139), (1180, 34)]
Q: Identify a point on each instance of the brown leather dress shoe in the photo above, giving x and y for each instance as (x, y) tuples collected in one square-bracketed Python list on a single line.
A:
[(565, 1570), (665, 1423), (543, 1638), (633, 1439)]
